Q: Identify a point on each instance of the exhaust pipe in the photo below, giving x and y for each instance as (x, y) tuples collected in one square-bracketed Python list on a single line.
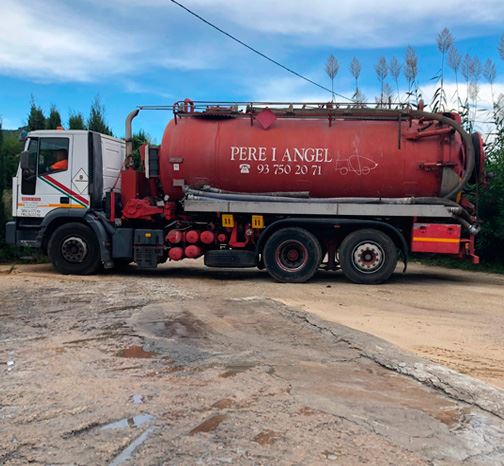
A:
[(128, 162)]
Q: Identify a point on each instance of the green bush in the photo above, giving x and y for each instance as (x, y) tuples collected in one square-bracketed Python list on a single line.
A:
[(491, 200)]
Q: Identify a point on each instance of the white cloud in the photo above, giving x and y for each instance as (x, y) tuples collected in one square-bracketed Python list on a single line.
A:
[(135, 87), (485, 97), (284, 89), (49, 43), (347, 23), (195, 56), (483, 114), (55, 40)]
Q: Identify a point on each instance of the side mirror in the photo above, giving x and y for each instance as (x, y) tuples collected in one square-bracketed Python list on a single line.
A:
[(25, 160), (23, 135)]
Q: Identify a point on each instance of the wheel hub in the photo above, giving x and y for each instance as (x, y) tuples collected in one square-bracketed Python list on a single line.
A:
[(291, 255), (368, 257), (74, 249)]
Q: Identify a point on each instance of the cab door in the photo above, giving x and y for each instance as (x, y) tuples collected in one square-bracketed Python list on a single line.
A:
[(47, 184)]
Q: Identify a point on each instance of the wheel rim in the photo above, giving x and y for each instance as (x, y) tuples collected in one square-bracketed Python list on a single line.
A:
[(291, 256), (368, 257), (74, 250)]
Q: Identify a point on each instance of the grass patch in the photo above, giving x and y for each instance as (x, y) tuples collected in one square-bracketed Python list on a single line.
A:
[(461, 264), (22, 255)]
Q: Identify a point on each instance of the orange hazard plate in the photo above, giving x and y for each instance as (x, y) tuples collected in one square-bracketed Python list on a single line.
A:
[(436, 237)]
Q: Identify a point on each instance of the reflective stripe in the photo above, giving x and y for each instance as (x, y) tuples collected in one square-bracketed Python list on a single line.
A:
[(437, 240), (63, 189), (66, 206)]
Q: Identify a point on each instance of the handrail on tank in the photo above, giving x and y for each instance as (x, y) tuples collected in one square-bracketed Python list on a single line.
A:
[(330, 109)]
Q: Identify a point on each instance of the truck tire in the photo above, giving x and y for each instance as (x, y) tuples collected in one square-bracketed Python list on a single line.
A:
[(74, 249), (292, 255), (368, 256)]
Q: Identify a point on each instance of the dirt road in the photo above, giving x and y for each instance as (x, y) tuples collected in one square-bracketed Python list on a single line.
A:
[(189, 365)]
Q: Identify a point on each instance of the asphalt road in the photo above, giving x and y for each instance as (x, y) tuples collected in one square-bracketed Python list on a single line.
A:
[(188, 365)]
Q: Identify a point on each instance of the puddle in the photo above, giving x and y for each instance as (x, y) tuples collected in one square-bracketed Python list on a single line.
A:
[(184, 326), (137, 399), (133, 422), (126, 454), (181, 326), (10, 361), (209, 425), (135, 351)]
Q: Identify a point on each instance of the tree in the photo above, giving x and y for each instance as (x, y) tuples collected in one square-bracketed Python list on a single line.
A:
[(411, 72), (138, 139), (53, 121), (490, 72), (473, 89), (466, 68), (475, 69), (444, 43), (395, 72), (454, 60), (387, 94), (491, 202), (355, 69), (332, 68), (359, 98), (381, 69), (76, 121), (10, 147), (96, 120), (2, 185), (36, 118)]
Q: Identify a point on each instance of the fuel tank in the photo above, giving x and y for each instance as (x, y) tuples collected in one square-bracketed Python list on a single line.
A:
[(340, 157)]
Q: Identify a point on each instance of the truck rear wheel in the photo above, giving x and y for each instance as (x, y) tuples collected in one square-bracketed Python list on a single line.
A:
[(74, 249), (368, 256), (292, 255)]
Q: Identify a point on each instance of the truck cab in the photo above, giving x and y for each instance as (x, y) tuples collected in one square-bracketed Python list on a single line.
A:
[(61, 174)]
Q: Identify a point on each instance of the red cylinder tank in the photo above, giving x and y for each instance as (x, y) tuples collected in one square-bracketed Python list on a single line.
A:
[(193, 251), (192, 236), (347, 158), (207, 237), (176, 254), (174, 236)]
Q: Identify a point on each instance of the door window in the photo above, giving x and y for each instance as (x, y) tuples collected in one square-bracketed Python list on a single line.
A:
[(53, 155), (29, 175)]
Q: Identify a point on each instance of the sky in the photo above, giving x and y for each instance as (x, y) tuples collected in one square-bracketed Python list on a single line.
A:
[(151, 52)]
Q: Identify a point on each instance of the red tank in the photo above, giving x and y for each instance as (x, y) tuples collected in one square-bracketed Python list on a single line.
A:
[(327, 157)]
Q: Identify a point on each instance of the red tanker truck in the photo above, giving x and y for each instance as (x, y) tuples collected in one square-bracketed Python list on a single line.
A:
[(290, 188)]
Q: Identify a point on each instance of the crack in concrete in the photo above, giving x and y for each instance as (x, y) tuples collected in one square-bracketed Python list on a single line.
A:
[(493, 451), (432, 380)]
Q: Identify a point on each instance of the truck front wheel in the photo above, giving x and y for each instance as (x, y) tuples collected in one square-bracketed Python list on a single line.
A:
[(74, 249), (368, 256), (292, 255)]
